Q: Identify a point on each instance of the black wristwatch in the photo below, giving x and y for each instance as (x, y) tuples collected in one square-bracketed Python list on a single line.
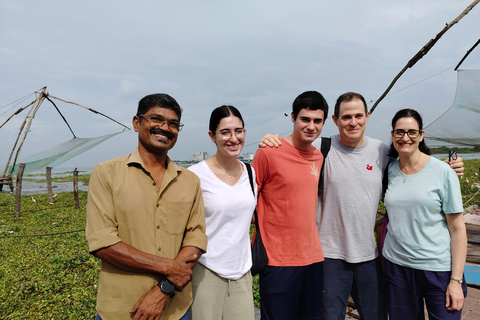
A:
[(167, 287)]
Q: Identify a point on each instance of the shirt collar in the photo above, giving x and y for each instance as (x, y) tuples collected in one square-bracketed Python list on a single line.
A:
[(136, 159)]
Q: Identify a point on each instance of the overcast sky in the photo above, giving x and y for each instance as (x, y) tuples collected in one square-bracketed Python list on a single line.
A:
[(255, 55)]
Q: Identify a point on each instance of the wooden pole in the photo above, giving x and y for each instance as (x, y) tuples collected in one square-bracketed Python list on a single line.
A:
[(49, 185), (75, 188), (92, 110), (424, 51), (18, 189), (25, 127)]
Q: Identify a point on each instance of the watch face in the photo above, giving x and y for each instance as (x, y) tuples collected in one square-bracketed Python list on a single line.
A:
[(167, 286)]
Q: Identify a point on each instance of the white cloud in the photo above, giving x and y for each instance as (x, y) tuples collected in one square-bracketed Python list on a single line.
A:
[(256, 55), (128, 86)]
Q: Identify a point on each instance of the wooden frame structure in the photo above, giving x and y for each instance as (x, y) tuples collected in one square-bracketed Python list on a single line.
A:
[(7, 177)]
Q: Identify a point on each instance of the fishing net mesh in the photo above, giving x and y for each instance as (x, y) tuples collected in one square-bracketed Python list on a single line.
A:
[(59, 154), (460, 124)]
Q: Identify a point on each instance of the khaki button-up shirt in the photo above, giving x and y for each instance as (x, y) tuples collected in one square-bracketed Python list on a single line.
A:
[(125, 204)]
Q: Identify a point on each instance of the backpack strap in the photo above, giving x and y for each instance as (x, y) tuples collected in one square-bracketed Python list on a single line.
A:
[(325, 145)]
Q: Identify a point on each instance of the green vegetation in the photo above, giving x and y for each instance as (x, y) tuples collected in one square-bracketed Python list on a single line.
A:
[(58, 177), (50, 276), (53, 276), (470, 193), (456, 149)]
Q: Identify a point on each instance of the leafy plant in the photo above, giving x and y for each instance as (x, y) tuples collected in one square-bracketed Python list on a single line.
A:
[(46, 270)]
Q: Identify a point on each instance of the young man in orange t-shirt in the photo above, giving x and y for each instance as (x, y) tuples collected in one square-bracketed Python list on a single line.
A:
[(287, 179)]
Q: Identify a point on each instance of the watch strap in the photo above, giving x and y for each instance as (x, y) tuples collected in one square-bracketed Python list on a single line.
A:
[(168, 293)]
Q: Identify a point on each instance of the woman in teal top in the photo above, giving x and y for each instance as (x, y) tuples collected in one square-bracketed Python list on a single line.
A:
[(426, 244)]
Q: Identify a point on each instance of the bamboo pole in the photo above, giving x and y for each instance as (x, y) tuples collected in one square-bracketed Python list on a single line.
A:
[(18, 189), (466, 55), (49, 185), (22, 126), (25, 127), (93, 110), (424, 51), (17, 112), (61, 115)]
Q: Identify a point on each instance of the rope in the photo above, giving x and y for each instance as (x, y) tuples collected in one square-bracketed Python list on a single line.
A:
[(414, 84), (472, 197), (20, 99)]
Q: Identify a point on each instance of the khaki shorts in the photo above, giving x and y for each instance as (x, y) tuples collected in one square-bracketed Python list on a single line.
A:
[(216, 298)]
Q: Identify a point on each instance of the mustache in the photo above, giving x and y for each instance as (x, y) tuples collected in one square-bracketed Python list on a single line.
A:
[(169, 135)]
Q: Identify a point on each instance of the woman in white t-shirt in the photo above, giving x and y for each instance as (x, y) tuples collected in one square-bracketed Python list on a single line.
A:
[(426, 244), (222, 283)]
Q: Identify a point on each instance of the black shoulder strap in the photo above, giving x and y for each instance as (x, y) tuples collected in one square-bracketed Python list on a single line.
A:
[(324, 148), (385, 178), (249, 170)]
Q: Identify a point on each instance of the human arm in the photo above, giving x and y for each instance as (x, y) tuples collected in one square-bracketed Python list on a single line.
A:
[(153, 303), (271, 140), (128, 258), (457, 165), (458, 234)]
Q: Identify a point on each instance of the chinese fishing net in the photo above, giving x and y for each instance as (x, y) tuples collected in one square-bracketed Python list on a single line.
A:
[(59, 154), (460, 124)]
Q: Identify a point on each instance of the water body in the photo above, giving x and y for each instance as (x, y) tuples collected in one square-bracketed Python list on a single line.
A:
[(32, 185), (32, 182), (465, 156)]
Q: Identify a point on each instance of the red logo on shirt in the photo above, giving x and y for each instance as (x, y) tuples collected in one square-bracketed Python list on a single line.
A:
[(369, 167)]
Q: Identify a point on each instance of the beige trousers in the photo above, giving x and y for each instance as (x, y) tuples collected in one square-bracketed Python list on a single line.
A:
[(216, 298)]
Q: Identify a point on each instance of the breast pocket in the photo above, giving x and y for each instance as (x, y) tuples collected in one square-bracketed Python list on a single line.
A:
[(177, 216)]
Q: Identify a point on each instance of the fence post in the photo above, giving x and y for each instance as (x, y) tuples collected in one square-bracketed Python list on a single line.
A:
[(18, 189), (49, 185), (75, 188)]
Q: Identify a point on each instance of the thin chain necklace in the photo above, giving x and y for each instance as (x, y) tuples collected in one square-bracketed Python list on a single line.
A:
[(223, 169), (407, 171)]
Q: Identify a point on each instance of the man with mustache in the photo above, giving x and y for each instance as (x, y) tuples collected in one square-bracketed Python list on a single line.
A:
[(146, 222)]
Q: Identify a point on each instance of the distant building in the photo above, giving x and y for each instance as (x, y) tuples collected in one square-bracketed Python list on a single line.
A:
[(199, 156), (247, 157)]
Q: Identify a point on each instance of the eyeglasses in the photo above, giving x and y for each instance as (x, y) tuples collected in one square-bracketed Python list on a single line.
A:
[(412, 133), (155, 119), (226, 134)]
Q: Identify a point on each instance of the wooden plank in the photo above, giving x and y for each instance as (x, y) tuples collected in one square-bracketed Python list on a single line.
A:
[(472, 274), (473, 247)]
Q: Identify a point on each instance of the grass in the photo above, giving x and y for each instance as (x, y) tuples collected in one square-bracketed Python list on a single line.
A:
[(47, 274)]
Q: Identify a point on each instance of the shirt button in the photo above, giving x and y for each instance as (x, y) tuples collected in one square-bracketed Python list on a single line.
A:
[(158, 227), (158, 205), (154, 184), (159, 249)]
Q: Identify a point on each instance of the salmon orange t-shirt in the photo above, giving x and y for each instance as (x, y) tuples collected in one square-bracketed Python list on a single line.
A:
[(287, 180)]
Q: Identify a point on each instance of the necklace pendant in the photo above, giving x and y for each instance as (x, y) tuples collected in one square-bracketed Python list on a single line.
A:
[(404, 180)]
